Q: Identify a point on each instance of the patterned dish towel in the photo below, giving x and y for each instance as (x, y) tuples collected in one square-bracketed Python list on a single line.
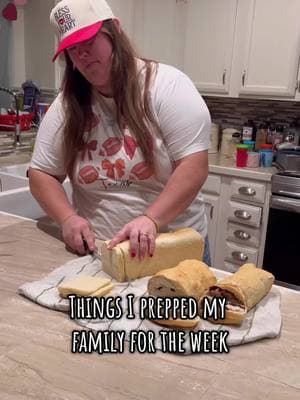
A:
[(263, 321)]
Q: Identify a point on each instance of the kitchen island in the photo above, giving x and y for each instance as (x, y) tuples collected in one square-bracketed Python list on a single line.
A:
[(35, 344)]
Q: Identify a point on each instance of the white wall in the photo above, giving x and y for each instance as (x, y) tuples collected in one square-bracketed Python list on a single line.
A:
[(17, 61), (39, 42), (33, 45)]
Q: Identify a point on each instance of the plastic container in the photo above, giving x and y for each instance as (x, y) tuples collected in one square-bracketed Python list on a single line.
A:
[(253, 159), (250, 144), (241, 155), (266, 156)]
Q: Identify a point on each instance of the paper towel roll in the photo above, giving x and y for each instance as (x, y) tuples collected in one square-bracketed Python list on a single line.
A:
[(214, 139)]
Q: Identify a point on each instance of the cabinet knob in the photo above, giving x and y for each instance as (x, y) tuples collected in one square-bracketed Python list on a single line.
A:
[(242, 214), (239, 256), (242, 235), (247, 191)]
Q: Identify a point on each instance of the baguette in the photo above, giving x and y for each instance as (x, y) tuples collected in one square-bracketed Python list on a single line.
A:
[(171, 248), (243, 290), (190, 278)]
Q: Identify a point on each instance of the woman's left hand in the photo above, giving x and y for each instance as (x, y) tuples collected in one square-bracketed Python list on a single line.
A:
[(141, 233)]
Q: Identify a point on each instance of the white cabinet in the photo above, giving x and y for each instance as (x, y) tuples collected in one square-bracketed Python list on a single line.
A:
[(237, 214), (209, 41), (211, 210), (158, 31), (211, 192), (271, 46), (228, 47), (242, 224)]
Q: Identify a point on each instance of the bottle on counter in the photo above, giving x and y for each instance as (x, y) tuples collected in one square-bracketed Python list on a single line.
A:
[(261, 136), (277, 137), (249, 131), (270, 133)]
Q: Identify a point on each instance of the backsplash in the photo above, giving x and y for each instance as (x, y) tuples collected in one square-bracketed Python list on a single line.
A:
[(232, 112)]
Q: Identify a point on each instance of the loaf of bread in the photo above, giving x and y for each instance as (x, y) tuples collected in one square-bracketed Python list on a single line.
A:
[(190, 278), (243, 290), (171, 248)]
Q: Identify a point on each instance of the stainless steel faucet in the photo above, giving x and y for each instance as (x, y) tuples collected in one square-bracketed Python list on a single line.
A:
[(17, 125)]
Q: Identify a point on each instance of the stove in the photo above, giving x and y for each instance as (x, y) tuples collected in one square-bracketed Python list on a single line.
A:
[(282, 247)]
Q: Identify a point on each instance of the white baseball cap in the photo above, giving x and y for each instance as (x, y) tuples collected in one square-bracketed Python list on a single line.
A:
[(78, 20)]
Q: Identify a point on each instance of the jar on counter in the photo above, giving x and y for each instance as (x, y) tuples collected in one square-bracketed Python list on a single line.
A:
[(253, 159), (266, 155), (230, 138), (241, 155)]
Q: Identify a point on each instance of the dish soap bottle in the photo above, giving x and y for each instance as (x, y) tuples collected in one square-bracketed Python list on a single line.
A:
[(249, 131)]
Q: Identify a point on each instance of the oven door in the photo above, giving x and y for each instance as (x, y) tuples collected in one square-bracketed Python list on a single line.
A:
[(282, 247)]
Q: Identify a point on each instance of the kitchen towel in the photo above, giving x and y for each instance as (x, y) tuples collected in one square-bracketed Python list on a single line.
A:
[(263, 321)]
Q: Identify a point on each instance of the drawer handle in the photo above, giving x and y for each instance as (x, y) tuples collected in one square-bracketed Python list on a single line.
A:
[(242, 214), (239, 256), (247, 191), (242, 235)]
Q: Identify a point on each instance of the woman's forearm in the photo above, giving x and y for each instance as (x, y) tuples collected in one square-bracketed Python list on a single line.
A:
[(50, 194), (181, 189)]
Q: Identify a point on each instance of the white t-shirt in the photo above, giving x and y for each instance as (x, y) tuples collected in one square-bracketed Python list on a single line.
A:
[(111, 183)]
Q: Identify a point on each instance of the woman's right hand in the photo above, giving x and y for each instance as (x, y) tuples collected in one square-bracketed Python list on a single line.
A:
[(75, 229)]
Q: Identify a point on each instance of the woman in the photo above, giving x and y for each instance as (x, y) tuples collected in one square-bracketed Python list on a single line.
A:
[(131, 134)]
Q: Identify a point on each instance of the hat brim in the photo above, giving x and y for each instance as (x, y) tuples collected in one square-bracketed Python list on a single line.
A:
[(79, 36)]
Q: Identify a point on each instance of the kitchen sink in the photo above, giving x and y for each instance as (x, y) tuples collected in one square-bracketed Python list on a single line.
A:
[(19, 169), (9, 182), (15, 196)]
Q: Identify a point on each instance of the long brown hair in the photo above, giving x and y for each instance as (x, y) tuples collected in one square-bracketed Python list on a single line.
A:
[(132, 102)]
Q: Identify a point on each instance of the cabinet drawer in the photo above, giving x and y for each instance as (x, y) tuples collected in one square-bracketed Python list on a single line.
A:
[(240, 255), (247, 190), (244, 235), (244, 213), (212, 184), (231, 267)]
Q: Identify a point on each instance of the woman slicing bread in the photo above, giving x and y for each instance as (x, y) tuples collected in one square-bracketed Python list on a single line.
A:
[(131, 134)]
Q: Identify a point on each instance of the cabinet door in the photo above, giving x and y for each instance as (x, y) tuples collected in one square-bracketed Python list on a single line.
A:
[(209, 43), (271, 47), (159, 30), (211, 209)]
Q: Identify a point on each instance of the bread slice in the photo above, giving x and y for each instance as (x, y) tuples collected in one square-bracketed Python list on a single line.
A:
[(178, 323), (190, 278), (103, 291), (82, 285), (171, 248)]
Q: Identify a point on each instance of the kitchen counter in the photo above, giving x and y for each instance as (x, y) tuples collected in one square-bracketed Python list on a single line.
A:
[(219, 164), (36, 361)]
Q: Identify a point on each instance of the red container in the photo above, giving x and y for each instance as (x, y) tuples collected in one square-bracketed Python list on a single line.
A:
[(241, 155), (8, 122)]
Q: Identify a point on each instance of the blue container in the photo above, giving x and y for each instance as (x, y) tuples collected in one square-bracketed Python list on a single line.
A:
[(266, 157), (250, 144)]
